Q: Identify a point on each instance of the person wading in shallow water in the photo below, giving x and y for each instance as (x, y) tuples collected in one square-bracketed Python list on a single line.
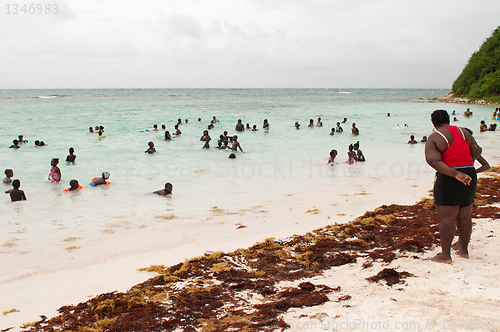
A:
[(451, 152)]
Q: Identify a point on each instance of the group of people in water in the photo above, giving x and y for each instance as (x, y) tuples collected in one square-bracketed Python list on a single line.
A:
[(16, 143)]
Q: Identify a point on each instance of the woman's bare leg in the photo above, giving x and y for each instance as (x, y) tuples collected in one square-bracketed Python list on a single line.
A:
[(464, 225), (447, 225)]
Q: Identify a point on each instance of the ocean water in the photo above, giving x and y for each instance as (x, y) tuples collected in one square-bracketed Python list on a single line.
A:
[(54, 230)]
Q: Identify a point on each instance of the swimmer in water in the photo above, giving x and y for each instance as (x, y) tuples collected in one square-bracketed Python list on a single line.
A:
[(205, 138), (167, 136), (102, 180), (388, 114), (332, 132), (424, 139), (214, 120), (412, 140), (247, 127), (16, 194), (311, 123), (186, 121), (151, 149), (226, 137), (319, 123), (297, 125), (236, 144), (359, 153), (177, 130), (74, 185), (339, 129), (179, 122), (15, 144), (232, 156), (101, 134), (55, 172), (91, 130), (163, 127), (331, 159), (8, 175), (239, 126), (72, 156), (354, 130), (166, 191), (210, 126), (455, 118), (21, 140), (344, 121), (254, 128)]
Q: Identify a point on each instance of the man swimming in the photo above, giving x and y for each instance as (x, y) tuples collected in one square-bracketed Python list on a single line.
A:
[(239, 126)]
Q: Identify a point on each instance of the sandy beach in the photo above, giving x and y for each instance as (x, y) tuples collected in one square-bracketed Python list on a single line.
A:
[(431, 297)]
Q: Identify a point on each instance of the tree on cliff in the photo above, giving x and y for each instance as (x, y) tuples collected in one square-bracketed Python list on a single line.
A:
[(481, 76)]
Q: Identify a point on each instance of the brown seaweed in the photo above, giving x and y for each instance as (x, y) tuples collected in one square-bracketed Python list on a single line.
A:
[(390, 276)]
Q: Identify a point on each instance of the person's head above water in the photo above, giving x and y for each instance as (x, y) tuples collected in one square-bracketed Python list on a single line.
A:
[(440, 118), (105, 175), (232, 156), (74, 184), (333, 153), (71, 150), (9, 173), (16, 184), (168, 188)]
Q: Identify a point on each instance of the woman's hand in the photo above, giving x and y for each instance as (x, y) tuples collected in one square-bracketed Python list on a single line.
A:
[(464, 178)]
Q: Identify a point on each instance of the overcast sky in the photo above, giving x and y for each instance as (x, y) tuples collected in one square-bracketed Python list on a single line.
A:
[(242, 43)]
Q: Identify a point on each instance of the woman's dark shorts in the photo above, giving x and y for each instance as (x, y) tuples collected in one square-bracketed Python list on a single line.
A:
[(449, 191)]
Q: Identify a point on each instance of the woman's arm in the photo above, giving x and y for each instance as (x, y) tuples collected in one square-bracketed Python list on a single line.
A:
[(484, 165), (433, 158)]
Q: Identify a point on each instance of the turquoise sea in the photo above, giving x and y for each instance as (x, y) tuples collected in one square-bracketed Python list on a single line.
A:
[(54, 230)]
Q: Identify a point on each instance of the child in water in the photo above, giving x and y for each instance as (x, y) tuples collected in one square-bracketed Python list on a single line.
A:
[(8, 175), (16, 194), (73, 185), (351, 155), (359, 153), (331, 159), (412, 140), (166, 191), (55, 172), (151, 148), (102, 180), (72, 156)]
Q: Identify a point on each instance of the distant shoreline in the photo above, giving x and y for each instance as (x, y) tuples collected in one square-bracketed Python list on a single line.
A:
[(450, 98)]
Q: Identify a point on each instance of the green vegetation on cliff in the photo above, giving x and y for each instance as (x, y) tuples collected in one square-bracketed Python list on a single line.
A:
[(481, 77)]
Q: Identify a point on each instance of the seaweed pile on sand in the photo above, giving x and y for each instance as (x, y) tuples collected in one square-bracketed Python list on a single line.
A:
[(240, 291)]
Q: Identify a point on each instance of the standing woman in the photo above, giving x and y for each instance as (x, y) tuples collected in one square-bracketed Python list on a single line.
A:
[(266, 126), (451, 151)]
